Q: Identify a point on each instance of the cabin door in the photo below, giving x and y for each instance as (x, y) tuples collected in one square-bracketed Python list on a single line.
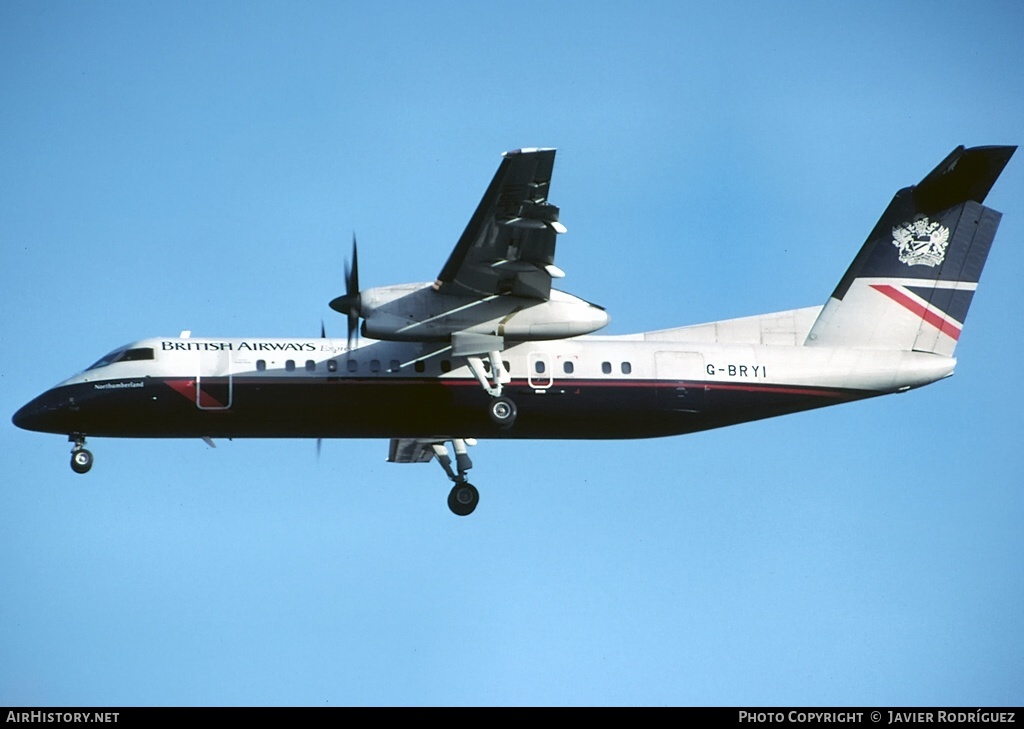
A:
[(214, 381), (681, 381)]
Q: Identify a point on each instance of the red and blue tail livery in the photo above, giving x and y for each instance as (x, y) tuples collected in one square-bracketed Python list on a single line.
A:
[(912, 283)]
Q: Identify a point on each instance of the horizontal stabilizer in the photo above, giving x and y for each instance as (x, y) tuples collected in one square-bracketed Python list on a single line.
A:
[(966, 174)]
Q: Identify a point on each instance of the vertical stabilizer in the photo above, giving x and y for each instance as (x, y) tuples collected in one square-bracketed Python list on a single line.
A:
[(912, 283)]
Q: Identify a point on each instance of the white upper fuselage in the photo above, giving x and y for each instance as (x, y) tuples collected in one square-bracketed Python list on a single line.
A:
[(724, 353)]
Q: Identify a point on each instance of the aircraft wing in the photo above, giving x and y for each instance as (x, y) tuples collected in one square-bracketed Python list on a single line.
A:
[(508, 246)]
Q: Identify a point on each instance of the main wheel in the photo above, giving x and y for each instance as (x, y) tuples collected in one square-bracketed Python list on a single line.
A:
[(502, 411), (81, 461), (463, 499)]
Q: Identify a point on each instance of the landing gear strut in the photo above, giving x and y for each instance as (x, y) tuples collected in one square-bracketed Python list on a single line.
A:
[(464, 497), (501, 410), (81, 459)]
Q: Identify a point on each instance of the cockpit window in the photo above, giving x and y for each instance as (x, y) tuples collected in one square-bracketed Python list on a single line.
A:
[(124, 355), (134, 355)]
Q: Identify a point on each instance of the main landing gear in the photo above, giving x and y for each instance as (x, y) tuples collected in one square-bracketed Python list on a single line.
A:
[(464, 497), (501, 410), (81, 459)]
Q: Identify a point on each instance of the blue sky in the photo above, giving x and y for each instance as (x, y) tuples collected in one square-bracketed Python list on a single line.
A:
[(186, 166)]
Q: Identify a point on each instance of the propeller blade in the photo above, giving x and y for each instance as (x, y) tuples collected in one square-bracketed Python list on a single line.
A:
[(352, 274), (349, 303), (323, 331), (352, 293), (353, 327)]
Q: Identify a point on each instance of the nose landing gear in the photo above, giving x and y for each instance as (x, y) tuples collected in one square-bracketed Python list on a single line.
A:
[(81, 459)]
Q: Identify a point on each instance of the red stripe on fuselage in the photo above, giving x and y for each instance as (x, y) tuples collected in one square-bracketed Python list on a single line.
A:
[(559, 384), (187, 388), (943, 325)]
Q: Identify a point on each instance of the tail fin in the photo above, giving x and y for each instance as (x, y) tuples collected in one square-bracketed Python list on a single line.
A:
[(910, 286)]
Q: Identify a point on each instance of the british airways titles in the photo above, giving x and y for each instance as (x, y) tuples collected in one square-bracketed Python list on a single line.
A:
[(186, 346)]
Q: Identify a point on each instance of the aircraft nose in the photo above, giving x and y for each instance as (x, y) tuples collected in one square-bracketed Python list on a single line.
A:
[(27, 416), (41, 414)]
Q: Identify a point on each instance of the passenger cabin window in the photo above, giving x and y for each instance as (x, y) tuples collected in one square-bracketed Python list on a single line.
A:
[(374, 365), (395, 365), (332, 365), (567, 367), (310, 365), (538, 366), (352, 365), (626, 368), (419, 366), (446, 365), (606, 367), (290, 365), (261, 365)]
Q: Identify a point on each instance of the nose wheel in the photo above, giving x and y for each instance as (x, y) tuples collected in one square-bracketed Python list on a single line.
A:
[(81, 459)]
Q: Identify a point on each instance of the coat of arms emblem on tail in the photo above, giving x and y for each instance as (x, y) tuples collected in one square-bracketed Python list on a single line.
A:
[(921, 242)]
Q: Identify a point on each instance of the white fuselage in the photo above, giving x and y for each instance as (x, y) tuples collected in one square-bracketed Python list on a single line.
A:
[(656, 383)]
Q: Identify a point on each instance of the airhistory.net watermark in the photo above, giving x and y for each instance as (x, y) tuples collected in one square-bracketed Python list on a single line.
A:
[(62, 717)]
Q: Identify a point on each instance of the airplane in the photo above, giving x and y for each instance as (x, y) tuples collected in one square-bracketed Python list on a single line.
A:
[(490, 350)]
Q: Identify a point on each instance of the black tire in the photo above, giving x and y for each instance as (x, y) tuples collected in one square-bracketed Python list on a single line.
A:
[(502, 411), (81, 461), (463, 499)]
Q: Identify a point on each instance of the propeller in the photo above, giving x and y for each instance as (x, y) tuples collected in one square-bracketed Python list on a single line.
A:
[(349, 303)]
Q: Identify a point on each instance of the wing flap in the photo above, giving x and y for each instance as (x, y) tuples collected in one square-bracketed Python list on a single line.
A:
[(410, 450), (508, 247)]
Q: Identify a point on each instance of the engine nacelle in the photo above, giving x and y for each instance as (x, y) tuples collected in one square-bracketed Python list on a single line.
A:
[(417, 313)]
